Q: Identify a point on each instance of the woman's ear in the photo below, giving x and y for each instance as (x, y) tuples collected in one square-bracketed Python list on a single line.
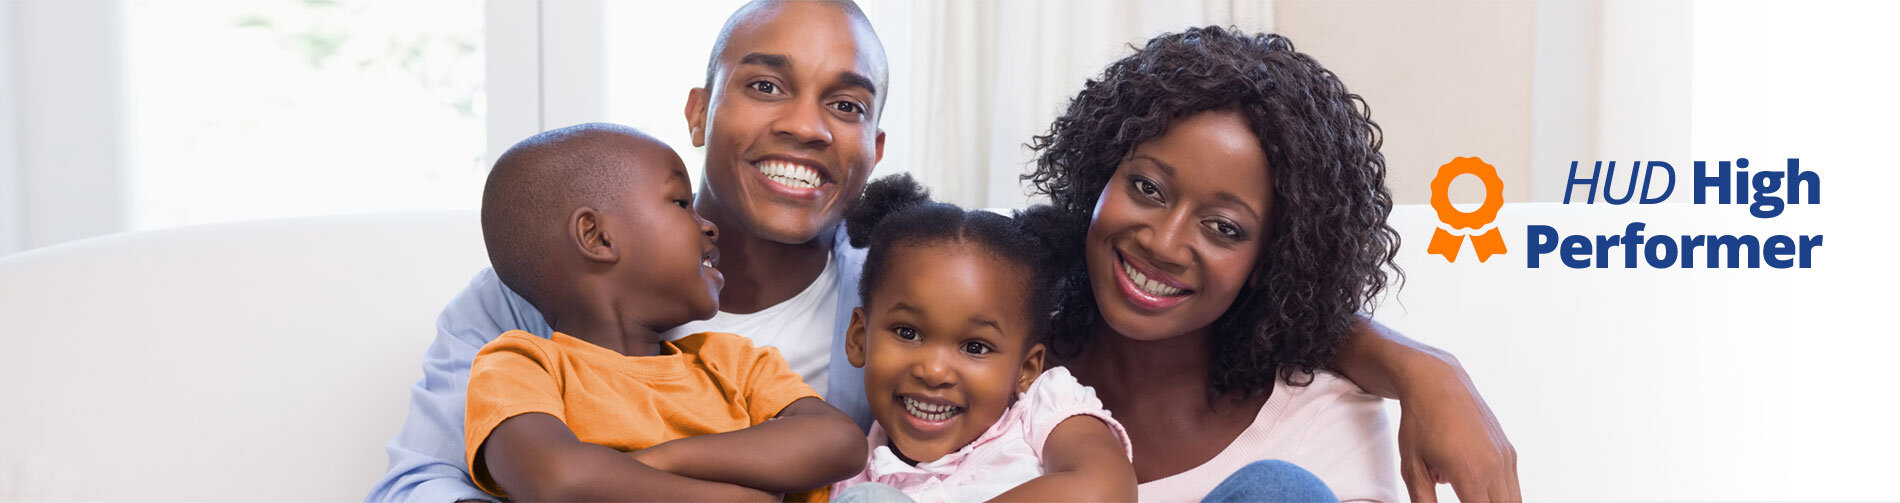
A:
[(1032, 367), (854, 338), (587, 233)]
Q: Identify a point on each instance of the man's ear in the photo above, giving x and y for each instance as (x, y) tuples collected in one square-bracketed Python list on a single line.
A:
[(1032, 367), (854, 338), (697, 101), (587, 233), (880, 147)]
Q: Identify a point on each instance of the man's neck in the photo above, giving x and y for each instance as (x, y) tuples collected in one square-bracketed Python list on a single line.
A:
[(762, 273)]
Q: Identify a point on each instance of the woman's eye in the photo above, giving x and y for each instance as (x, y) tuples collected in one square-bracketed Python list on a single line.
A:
[(976, 348), (907, 333), (1147, 188), (1224, 228), (764, 87)]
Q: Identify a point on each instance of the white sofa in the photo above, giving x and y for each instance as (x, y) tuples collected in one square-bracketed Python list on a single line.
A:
[(272, 360)]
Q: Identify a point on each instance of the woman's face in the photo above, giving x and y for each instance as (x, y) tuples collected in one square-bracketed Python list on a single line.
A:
[(1178, 229)]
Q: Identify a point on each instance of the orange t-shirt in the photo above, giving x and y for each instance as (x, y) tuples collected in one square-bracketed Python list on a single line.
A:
[(700, 384)]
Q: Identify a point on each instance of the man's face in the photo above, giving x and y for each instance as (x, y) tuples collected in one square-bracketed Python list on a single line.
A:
[(790, 123)]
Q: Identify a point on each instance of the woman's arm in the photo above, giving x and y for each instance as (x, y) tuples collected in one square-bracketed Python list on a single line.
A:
[(1446, 432), (1082, 461), (535, 457), (810, 444)]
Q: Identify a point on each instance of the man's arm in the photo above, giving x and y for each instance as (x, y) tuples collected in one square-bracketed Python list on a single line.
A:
[(808, 445), (1446, 432), (535, 457), (426, 457), (1082, 461)]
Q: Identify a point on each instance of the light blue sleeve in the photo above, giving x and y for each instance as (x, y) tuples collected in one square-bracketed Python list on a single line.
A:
[(845, 383), (426, 459)]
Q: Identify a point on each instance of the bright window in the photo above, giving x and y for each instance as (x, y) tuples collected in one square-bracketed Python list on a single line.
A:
[(260, 109)]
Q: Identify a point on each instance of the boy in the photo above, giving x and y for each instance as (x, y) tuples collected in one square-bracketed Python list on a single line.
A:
[(593, 226)]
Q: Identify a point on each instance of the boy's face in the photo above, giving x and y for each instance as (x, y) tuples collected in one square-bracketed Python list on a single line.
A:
[(945, 347), (790, 123), (668, 259)]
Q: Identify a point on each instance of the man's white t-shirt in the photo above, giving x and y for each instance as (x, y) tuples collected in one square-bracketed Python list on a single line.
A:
[(800, 327)]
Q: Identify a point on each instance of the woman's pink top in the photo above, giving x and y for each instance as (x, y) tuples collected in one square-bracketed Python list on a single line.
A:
[(1330, 428), (1003, 457)]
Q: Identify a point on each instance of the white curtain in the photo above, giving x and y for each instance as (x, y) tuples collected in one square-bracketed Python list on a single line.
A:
[(980, 77)]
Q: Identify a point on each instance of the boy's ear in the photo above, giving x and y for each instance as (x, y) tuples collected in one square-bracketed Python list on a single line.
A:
[(698, 99), (1032, 367), (854, 338), (587, 233)]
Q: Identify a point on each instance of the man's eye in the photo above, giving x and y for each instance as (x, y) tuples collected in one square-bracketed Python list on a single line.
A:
[(848, 107), (764, 87), (976, 348), (907, 333)]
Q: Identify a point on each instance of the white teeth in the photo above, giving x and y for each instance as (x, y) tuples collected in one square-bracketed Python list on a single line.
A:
[(706, 263), (930, 412), (1149, 286), (789, 174)]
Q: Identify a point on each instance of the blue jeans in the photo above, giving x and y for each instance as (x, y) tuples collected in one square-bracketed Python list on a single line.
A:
[(1271, 480)]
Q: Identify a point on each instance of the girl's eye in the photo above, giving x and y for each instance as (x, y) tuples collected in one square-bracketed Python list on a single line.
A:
[(977, 348), (1224, 228), (907, 333), (764, 87), (683, 203)]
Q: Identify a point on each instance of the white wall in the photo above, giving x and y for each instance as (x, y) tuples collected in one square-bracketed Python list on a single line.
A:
[(68, 141), (9, 159)]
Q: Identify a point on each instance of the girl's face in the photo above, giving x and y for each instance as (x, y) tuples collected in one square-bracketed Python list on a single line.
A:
[(944, 346), (1178, 229)]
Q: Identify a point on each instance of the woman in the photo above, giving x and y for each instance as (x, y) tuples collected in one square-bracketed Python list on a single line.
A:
[(1230, 203)]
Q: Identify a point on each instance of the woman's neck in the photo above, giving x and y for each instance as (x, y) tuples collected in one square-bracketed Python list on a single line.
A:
[(1137, 368), (762, 273)]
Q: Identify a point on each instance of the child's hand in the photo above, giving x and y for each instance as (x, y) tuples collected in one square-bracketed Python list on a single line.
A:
[(655, 457)]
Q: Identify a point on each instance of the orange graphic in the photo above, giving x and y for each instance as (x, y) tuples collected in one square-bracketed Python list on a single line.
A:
[(1456, 225)]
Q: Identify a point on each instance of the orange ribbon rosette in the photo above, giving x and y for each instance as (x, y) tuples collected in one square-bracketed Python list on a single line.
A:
[(1456, 225)]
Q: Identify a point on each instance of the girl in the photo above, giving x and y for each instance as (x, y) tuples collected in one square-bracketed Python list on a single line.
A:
[(955, 305)]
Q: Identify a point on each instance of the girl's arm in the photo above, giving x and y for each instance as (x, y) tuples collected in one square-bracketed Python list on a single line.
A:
[(535, 457), (1082, 461), (808, 445), (1446, 432)]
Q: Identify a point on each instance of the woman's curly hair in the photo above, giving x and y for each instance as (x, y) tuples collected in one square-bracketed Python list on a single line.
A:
[(1328, 244)]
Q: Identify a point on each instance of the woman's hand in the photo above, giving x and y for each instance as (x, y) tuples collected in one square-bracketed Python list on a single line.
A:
[(1446, 432), (1448, 435)]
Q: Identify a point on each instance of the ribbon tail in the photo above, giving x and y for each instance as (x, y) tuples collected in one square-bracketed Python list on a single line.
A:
[(1447, 244), (1487, 244)]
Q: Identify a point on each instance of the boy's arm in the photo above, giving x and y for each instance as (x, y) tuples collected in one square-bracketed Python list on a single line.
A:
[(1446, 432), (535, 457), (809, 444), (1082, 461)]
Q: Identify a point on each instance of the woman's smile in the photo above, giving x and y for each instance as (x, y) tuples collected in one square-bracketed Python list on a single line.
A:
[(1149, 289)]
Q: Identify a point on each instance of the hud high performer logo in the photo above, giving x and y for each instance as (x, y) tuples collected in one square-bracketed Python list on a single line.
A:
[(1454, 226)]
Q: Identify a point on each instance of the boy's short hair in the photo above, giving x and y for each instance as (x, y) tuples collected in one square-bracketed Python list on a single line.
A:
[(532, 190)]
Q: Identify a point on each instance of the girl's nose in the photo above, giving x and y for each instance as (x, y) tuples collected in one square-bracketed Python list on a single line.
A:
[(934, 370)]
